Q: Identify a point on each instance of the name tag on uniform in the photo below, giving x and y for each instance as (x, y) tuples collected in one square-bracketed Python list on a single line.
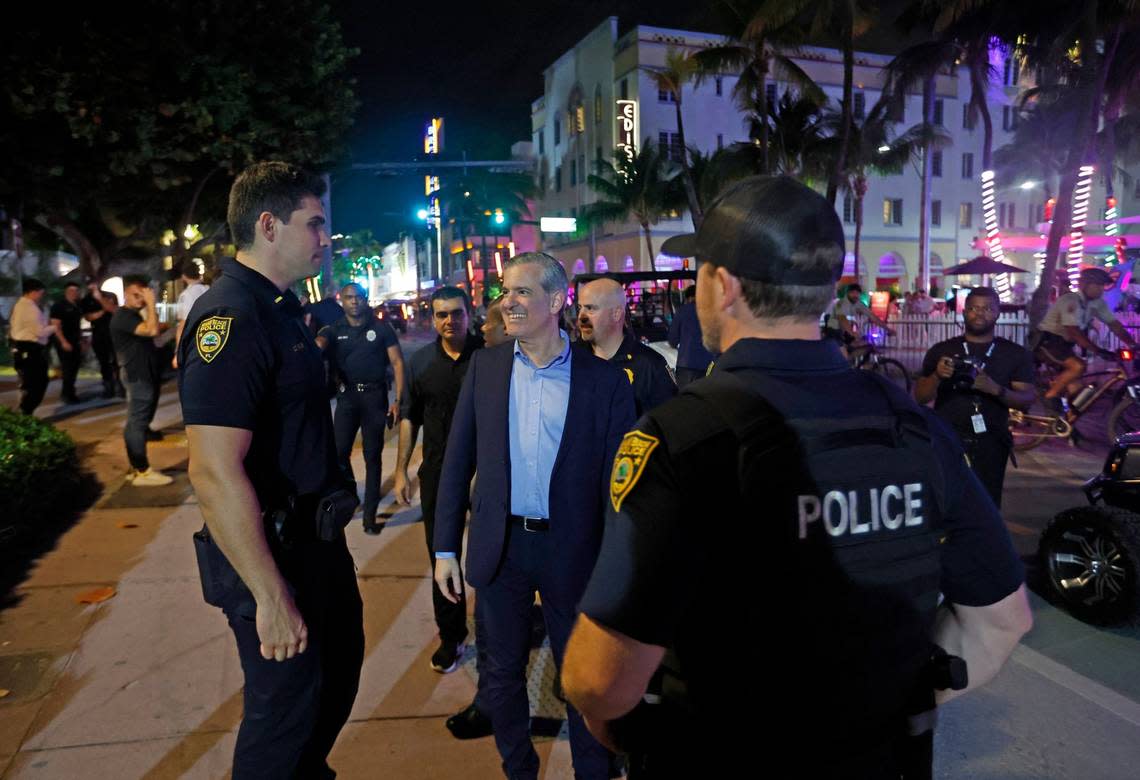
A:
[(979, 423)]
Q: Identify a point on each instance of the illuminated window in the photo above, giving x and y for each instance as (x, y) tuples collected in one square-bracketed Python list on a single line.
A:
[(580, 116), (892, 211)]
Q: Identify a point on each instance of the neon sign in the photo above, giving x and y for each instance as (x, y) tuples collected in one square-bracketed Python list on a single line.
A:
[(433, 136), (627, 128)]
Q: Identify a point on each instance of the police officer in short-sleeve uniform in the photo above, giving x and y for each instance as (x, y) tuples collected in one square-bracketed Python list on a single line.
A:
[(263, 463), (831, 512), (360, 348)]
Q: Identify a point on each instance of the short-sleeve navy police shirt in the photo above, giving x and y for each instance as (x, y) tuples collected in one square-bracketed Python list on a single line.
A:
[(246, 360), (359, 353)]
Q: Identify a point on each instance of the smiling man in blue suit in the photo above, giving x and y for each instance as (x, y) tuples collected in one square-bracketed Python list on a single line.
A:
[(540, 422)]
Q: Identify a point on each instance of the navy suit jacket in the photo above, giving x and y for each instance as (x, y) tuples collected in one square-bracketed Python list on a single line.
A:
[(600, 412)]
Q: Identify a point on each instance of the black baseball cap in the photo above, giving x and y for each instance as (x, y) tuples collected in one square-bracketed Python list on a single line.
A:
[(768, 229)]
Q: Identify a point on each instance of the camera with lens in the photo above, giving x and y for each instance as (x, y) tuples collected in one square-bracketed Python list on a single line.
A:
[(965, 372)]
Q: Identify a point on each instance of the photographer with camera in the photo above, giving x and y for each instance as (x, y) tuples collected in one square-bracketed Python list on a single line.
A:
[(973, 380)]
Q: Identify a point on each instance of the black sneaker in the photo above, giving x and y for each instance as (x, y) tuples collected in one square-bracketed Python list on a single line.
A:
[(153, 435), (469, 723), (371, 527), (446, 659)]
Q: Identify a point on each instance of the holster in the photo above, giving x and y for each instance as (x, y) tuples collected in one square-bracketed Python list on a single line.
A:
[(217, 576), (333, 513), (916, 752)]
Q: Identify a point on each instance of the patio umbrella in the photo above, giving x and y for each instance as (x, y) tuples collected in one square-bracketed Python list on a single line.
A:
[(983, 265)]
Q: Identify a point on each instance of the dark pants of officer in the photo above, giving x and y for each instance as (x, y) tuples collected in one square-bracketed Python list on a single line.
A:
[(363, 411), (505, 605), (988, 456), (294, 709), (108, 368), (30, 360), (69, 369), (686, 375), (142, 402)]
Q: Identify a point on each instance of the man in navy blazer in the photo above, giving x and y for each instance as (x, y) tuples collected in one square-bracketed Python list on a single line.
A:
[(540, 423)]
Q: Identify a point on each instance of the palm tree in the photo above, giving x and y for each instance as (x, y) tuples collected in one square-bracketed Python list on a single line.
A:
[(752, 51), (871, 150), (470, 200), (642, 188), (845, 20), (795, 129), (680, 68)]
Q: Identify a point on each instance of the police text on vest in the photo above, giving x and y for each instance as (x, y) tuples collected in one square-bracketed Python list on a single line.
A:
[(855, 512)]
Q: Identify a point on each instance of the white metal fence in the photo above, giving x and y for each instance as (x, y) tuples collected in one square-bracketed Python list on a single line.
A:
[(915, 334)]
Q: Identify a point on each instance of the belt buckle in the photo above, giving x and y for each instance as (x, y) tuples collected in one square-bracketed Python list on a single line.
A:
[(526, 524)]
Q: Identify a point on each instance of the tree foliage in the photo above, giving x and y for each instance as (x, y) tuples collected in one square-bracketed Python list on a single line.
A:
[(115, 126)]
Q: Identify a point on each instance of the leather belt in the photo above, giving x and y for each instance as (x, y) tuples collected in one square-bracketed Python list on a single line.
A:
[(362, 387), (532, 524)]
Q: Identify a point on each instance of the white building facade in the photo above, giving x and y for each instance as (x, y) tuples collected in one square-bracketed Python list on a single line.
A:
[(576, 121)]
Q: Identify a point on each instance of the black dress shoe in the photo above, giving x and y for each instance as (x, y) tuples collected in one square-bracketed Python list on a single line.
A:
[(153, 435), (469, 723), (372, 528)]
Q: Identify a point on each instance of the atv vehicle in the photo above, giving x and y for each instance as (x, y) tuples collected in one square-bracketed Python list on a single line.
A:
[(1090, 555)]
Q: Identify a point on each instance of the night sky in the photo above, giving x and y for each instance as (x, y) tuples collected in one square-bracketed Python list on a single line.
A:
[(479, 65)]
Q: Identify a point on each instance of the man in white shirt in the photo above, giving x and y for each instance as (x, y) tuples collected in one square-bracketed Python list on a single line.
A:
[(29, 334), (192, 278)]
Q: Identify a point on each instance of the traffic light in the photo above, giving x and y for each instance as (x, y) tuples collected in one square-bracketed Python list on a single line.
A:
[(422, 214), (499, 218)]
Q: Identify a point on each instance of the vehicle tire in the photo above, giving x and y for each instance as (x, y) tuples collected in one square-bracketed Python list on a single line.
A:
[(1124, 418), (894, 371), (1090, 556)]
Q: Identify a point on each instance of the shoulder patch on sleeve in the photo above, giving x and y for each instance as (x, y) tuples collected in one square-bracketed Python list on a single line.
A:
[(211, 336), (629, 463)]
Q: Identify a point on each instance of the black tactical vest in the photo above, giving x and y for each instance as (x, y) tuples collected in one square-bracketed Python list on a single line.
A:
[(841, 518)]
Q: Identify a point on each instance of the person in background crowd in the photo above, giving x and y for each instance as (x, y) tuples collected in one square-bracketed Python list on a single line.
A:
[(98, 308), (192, 278), (66, 317), (360, 348), (601, 321), (134, 328), (29, 331), (494, 329), (973, 380), (693, 360)]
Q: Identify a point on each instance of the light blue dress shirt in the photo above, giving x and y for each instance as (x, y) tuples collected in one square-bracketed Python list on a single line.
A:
[(539, 397)]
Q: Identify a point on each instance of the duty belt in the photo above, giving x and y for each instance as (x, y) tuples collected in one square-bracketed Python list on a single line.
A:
[(362, 387), (532, 524)]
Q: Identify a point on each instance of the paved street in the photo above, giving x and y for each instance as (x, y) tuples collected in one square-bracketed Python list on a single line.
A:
[(146, 684)]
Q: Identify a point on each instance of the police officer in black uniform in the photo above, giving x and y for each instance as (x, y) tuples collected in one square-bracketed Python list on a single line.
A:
[(263, 463), (832, 510), (360, 348), (974, 380), (601, 323)]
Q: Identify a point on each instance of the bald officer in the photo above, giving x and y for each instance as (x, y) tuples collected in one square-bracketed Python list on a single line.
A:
[(601, 321)]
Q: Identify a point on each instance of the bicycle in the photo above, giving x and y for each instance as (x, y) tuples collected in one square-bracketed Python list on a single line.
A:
[(865, 356), (1030, 428)]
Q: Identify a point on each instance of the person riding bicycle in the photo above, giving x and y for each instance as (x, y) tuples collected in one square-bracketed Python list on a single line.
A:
[(1065, 326), (840, 324)]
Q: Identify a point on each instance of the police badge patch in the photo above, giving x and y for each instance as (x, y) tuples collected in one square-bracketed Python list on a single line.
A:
[(370, 335), (629, 463), (211, 336)]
